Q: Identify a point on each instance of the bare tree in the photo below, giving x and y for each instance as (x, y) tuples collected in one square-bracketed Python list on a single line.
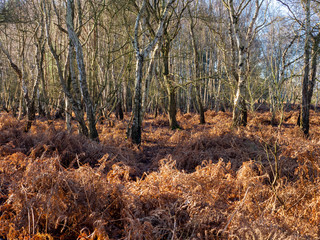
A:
[(134, 132), (74, 99), (196, 66), (29, 95), (243, 44), (93, 133)]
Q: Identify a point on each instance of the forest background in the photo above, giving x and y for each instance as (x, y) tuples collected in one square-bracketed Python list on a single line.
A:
[(159, 119), (95, 57)]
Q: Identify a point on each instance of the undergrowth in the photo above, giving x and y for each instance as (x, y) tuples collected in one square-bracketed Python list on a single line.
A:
[(198, 182)]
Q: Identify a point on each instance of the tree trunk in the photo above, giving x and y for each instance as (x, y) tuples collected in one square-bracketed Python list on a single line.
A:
[(75, 102), (148, 79), (314, 62), (171, 90), (68, 114), (31, 115), (93, 133), (172, 109), (305, 106), (240, 115), (197, 70), (239, 108), (134, 132)]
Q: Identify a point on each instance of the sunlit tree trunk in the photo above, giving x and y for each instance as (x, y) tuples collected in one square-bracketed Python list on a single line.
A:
[(243, 43), (134, 131), (74, 101), (93, 133)]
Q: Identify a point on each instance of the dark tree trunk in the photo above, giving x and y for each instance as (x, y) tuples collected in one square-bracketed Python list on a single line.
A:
[(172, 111), (197, 70), (305, 105), (314, 62), (171, 90), (119, 111), (31, 115), (134, 132)]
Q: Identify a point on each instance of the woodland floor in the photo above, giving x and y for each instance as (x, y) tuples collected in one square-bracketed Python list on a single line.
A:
[(199, 182)]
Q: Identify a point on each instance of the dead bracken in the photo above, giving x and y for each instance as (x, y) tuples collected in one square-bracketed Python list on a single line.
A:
[(197, 182)]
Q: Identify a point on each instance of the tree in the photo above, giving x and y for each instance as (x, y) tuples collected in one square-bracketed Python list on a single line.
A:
[(29, 99), (8, 14), (310, 55), (134, 132), (171, 30), (196, 66), (73, 98), (243, 44), (93, 133)]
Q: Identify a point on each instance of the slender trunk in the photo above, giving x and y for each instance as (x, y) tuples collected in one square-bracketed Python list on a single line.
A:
[(197, 70), (189, 91), (75, 102), (31, 115), (317, 98), (239, 105), (124, 96), (119, 109), (189, 98), (217, 95), (172, 111), (20, 105), (93, 133), (134, 132), (148, 80), (239, 108), (68, 115), (40, 59), (314, 58), (171, 90), (243, 43), (305, 107)]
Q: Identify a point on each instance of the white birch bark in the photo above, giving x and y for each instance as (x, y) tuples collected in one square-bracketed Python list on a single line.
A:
[(75, 102), (243, 44), (134, 132), (93, 133)]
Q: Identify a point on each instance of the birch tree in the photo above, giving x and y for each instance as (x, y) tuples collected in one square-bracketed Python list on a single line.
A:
[(73, 97), (93, 133), (29, 92), (141, 53), (196, 66), (311, 49), (241, 50), (29, 98)]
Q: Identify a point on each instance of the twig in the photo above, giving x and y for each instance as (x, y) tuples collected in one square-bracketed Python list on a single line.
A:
[(236, 210)]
